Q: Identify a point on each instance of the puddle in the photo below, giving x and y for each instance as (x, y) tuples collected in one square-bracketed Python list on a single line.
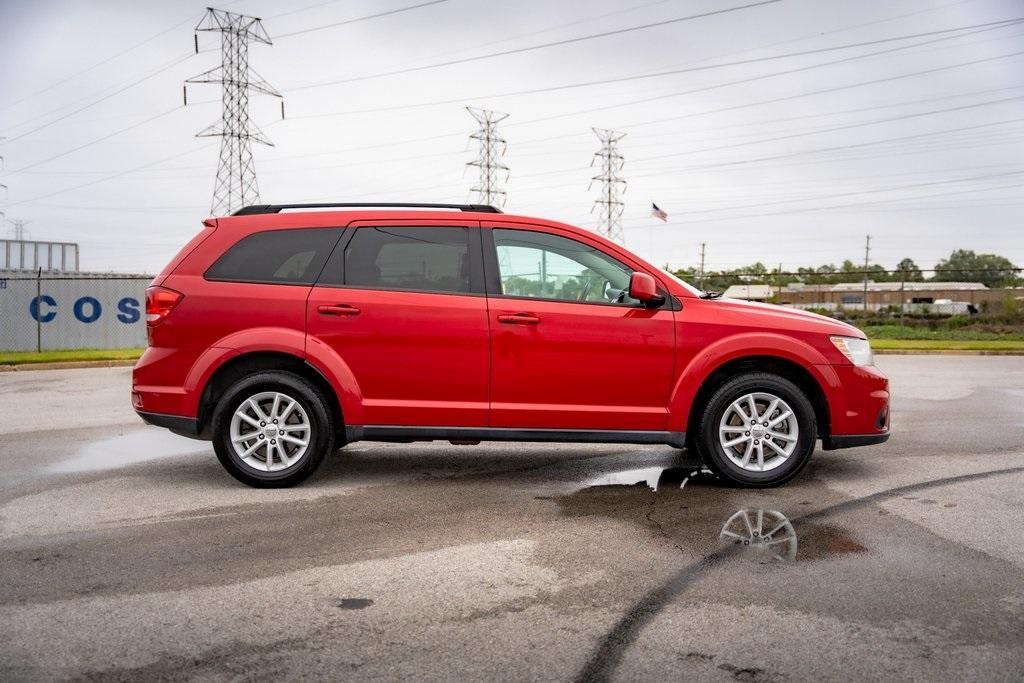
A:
[(130, 448), (353, 603), (653, 477), (692, 509)]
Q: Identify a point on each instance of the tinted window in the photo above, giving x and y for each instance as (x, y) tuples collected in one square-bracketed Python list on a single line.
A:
[(536, 264), (286, 256), (421, 259)]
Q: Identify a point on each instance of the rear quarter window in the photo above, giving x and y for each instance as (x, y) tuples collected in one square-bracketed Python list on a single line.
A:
[(439, 259), (276, 256)]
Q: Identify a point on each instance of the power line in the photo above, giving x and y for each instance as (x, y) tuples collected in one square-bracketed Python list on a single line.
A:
[(97, 140), (673, 72), (302, 9), (786, 72), (119, 174), (848, 126), (357, 19), (95, 65), (503, 53), (860, 204), (102, 99), (835, 148)]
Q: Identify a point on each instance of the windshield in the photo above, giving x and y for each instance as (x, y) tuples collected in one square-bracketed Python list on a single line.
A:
[(686, 285)]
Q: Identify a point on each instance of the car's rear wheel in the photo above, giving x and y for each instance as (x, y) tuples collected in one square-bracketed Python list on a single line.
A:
[(758, 429), (272, 429)]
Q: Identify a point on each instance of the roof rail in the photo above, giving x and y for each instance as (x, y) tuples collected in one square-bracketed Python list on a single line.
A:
[(277, 208)]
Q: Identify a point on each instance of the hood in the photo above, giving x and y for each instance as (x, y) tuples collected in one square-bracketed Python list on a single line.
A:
[(771, 314)]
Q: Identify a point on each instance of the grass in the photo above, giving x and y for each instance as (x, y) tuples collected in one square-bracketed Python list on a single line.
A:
[(949, 334), (29, 357), (997, 345)]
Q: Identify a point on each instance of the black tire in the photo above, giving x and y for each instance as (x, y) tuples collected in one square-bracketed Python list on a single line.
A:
[(713, 453), (309, 398)]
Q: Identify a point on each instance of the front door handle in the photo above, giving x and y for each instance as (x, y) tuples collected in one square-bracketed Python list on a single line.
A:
[(337, 309), (518, 319)]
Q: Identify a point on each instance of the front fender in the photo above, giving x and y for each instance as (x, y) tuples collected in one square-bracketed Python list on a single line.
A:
[(734, 347)]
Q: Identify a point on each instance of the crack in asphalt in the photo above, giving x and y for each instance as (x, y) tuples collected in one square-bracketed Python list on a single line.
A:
[(608, 655)]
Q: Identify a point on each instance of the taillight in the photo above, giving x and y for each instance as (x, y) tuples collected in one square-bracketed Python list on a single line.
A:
[(159, 302)]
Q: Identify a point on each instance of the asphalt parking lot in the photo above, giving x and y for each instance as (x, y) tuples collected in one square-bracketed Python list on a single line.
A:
[(128, 553)]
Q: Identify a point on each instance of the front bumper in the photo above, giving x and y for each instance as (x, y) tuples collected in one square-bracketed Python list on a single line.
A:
[(858, 401)]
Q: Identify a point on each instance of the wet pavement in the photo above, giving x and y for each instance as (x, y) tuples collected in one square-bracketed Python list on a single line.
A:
[(127, 553)]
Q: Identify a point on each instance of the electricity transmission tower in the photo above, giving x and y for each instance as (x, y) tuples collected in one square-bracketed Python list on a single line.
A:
[(611, 183), (236, 174), (492, 150), (19, 231)]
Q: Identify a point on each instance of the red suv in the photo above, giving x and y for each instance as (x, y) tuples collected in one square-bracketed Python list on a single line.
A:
[(282, 335)]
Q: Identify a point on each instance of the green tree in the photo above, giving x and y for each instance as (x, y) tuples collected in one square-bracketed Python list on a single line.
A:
[(963, 265), (907, 271)]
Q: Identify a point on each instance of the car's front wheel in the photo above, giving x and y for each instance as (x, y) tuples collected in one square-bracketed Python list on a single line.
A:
[(272, 429), (758, 429)]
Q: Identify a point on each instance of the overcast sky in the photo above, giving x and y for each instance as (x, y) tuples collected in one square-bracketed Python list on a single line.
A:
[(924, 162)]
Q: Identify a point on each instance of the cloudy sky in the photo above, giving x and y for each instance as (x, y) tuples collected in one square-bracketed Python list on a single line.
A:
[(787, 132)]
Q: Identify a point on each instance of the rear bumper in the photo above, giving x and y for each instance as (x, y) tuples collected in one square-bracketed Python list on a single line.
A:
[(160, 379), (183, 426), (832, 443)]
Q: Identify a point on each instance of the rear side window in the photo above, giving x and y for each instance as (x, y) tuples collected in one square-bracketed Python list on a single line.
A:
[(424, 259), (284, 256)]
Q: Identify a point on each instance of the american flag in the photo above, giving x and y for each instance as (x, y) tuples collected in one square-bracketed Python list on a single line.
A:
[(658, 213)]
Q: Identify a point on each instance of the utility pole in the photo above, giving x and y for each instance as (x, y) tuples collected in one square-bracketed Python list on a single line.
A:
[(700, 276), (2, 186), (867, 256), (492, 150), (608, 200), (236, 173), (778, 282)]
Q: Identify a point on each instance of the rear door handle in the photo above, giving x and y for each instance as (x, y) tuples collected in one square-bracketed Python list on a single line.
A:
[(337, 309), (518, 319)]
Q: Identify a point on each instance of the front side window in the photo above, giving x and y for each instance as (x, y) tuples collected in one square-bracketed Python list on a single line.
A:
[(543, 266), (426, 259), (276, 256)]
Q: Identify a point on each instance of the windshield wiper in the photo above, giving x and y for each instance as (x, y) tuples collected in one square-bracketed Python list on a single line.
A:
[(710, 295)]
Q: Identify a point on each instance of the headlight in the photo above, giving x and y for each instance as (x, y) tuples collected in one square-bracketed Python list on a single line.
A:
[(857, 351)]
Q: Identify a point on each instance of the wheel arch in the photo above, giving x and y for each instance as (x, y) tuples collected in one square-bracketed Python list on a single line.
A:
[(782, 354), (238, 366), (776, 365)]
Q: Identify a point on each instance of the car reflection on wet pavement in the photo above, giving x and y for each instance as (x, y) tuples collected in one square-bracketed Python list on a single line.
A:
[(764, 534), (127, 553), (771, 535)]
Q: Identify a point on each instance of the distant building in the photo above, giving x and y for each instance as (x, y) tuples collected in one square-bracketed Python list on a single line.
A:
[(882, 294), (951, 297), (750, 292)]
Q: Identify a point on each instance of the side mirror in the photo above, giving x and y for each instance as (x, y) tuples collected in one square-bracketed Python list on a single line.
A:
[(643, 288)]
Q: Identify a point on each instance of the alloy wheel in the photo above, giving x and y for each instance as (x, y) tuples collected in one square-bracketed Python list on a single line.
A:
[(758, 432), (270, 431)]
